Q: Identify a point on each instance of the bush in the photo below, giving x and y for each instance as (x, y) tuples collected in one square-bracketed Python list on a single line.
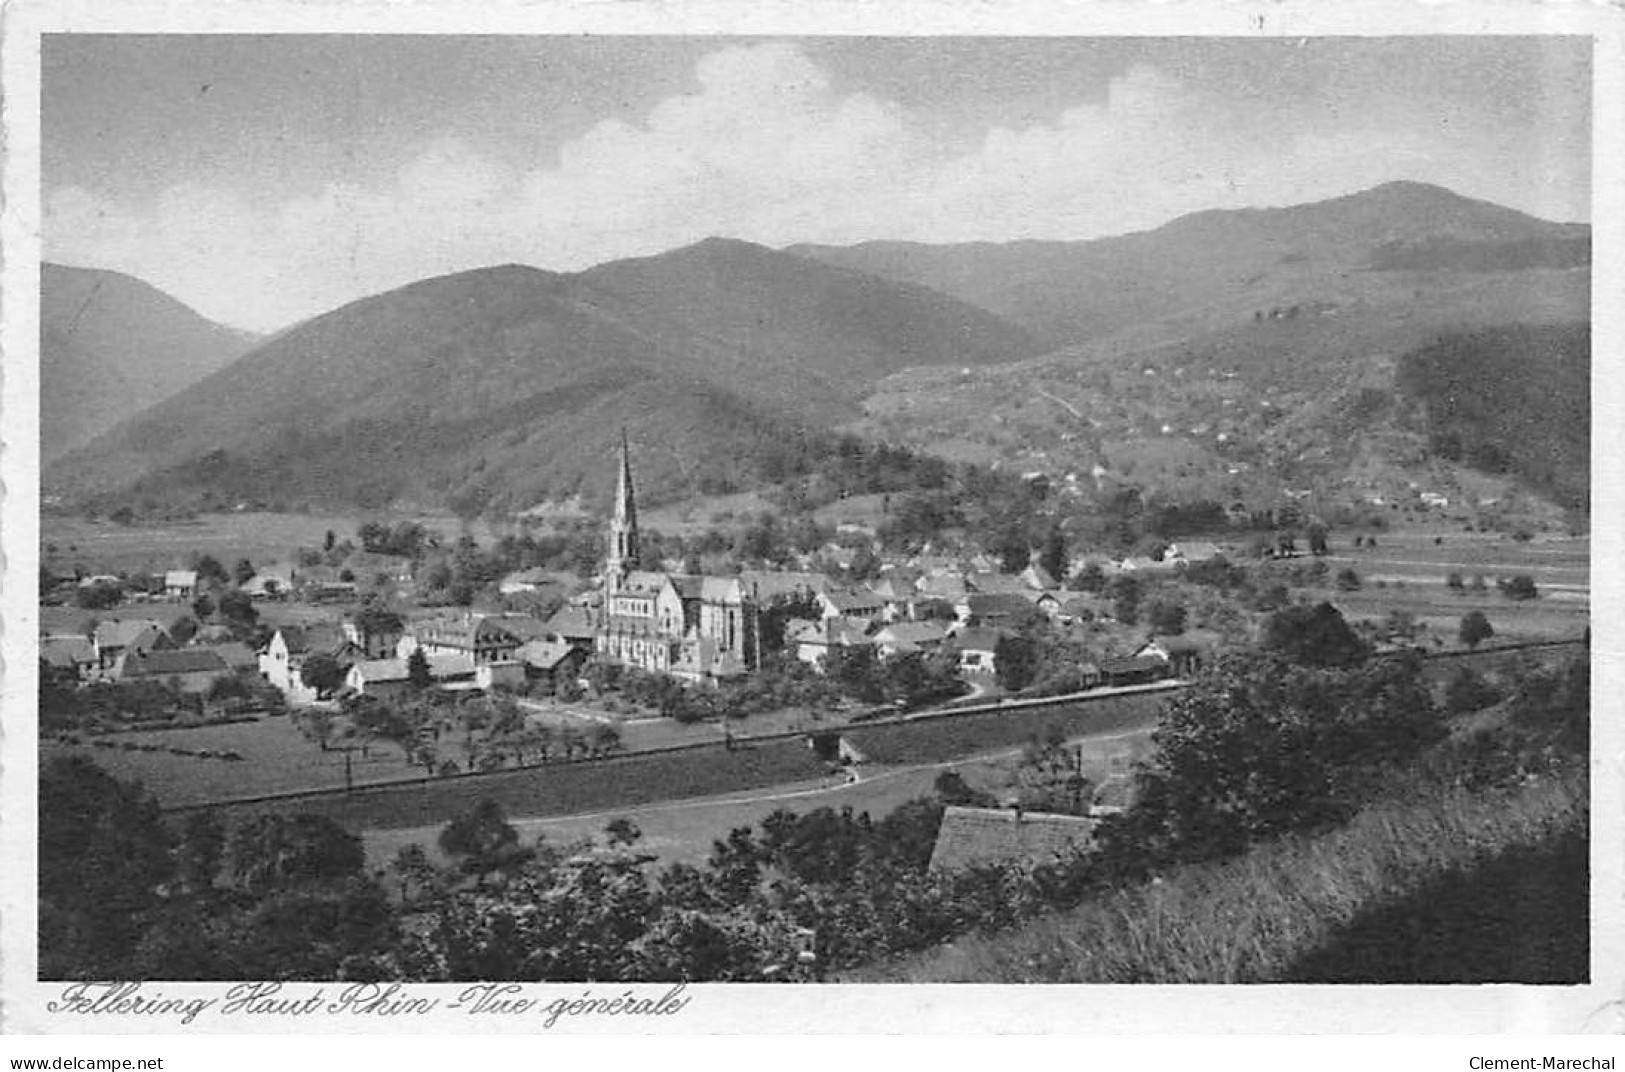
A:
[(1475, 628), (1519, 588)]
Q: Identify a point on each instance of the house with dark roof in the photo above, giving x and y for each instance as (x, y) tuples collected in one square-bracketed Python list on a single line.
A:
[(551, 660), (115, 637), (850, 603), (901, 638), (980, 837), (995, 609), (1134, 670), (190, 669), (483, 638)]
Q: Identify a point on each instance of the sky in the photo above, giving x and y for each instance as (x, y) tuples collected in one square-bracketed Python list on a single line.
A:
[(263, 180)]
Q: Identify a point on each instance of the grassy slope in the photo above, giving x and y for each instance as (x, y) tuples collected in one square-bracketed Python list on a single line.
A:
[(1496, 880)]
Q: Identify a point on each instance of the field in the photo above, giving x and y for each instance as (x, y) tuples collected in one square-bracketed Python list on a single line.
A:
[(1408, 572), (682, 831), (277, 758), (102, 546)]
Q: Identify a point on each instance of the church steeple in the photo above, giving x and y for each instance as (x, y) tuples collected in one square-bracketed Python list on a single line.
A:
[(623, 529)]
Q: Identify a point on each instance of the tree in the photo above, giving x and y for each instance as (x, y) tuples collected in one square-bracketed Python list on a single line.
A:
[(1015, 661), (202, 608), (482, 838), (209, 570), (243, 571), (103, 854), (183, 629), (622, 831), (1313, 636), (237, 609), (323, 673), (1454, 581), (1475, 628), (272, 852), (418, 674), (98, 596), (1125, 594), (1166, 616), (1259, 747), (1348, 580), (1317, 532), (1052, 557)]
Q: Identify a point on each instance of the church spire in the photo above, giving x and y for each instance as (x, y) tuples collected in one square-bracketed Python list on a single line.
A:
[(623, 529)]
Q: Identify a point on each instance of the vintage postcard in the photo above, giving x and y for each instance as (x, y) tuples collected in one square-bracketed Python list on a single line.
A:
[(552, 519)]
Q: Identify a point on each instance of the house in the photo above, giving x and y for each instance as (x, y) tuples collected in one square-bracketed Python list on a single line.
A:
[(991, 582), (1078, 608), (1192, 552), (976, 648), (269, 582), (551, 660), (289, 648), (996, 609), (949, 587), (574, 624), (850, 603), (190, 669), (815, 642), (374, 636), (1183, 654), (112, 639), (388, 678), (901, 638), (71, 654), (979, 837), (238, 656), (180, 584), (1037, 578), (482, 638), (1134, 670)]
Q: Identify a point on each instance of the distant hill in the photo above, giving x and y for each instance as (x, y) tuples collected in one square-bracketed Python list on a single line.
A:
[(110, 346), (501, 386), (1510, 400), (1240, 356), (1072, 292)]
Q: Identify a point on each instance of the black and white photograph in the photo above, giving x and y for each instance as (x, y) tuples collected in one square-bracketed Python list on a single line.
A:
[(644, 510)]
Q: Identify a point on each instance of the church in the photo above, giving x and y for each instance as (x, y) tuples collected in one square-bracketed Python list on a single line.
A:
[(700, 629)]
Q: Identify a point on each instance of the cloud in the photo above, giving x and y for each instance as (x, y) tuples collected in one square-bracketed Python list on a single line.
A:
[(765, 148)]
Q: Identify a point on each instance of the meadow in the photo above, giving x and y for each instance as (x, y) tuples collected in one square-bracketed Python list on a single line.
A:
[(261, 537)]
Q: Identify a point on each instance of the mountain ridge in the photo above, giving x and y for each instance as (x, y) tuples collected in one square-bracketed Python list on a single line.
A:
[(112, 345)]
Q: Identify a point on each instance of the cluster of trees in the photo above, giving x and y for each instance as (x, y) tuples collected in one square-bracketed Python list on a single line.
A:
[(448, 734)]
